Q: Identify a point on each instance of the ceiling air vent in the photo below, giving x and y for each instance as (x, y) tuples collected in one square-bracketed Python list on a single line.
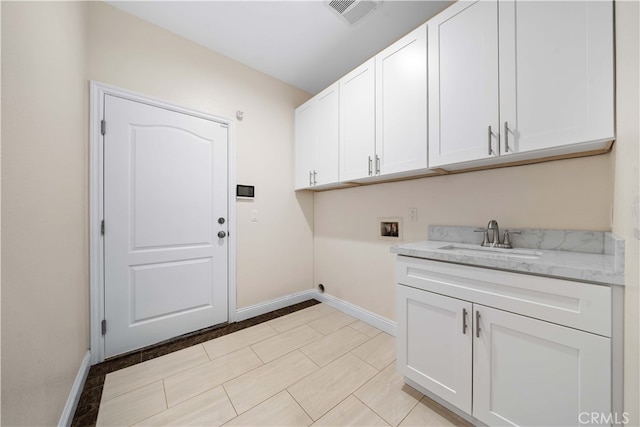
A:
[(353, 10)]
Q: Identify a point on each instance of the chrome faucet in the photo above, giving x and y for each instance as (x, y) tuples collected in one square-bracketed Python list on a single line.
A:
[(495, 237), (494, 240)]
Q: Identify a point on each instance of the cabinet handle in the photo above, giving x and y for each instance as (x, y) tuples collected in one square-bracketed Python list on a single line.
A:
[(369, 165), (489, 140), (506, 137), (310, 181), (477, 324), (377, 165), (315, 182), (464, 321)]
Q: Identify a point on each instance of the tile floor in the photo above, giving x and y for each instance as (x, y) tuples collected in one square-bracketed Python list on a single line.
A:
[(317, 366)]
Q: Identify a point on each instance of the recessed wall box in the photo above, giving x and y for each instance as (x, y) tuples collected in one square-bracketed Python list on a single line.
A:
[(245, 191), (390, 229)]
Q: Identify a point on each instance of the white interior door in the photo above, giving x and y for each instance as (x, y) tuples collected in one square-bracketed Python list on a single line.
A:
[(165, 188)]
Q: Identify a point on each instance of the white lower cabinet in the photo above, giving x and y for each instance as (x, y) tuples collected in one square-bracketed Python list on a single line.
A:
[(530, 372), (436, 357), (499, 367)]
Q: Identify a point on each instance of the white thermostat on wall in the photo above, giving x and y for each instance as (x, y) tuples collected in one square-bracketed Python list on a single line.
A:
[(245, 191)]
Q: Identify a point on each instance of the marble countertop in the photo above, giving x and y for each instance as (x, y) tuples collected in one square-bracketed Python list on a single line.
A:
[(595, 257)]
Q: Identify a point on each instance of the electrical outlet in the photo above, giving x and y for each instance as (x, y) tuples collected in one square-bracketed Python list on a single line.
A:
[(254, 215), (413, 214)]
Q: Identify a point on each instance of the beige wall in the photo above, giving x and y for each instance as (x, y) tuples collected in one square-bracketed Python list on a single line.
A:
[(135, 55), (353, 265), (49, 53), (44, 208), (626, 188), (0, 221)]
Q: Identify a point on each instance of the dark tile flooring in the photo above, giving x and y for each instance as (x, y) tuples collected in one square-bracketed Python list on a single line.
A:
[(87, 410)]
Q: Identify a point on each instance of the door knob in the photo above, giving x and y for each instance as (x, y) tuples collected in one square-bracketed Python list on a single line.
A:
[(222, 234)]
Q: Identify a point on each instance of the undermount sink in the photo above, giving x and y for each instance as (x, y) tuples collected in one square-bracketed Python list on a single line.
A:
[(483, 250)]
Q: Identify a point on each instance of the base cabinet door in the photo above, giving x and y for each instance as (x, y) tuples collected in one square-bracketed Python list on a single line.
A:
[(435, 343), (530, 372)]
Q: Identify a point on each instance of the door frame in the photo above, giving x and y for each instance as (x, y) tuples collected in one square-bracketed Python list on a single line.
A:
[(96, 200)]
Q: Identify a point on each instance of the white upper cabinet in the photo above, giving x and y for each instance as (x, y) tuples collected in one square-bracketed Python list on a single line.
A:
[(357, 123), (383, 112), (304, 145), (401, 104), (377, 112), (316, 140), (519, 80), (463, 83), (326, 152), (556, 74)]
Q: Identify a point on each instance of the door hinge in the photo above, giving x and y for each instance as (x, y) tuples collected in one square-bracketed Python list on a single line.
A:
[(102, 227), (104, 326), (103, 127)]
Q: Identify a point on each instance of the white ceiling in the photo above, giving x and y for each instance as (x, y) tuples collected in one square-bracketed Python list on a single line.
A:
[(303, 43)]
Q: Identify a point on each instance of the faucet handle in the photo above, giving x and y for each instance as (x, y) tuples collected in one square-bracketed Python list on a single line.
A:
[(485, 240), (507, 238)]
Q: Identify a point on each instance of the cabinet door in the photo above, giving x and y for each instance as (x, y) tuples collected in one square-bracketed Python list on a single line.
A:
[(530, 372), (305, 141), (401, 104), (463, 83), (434, 347), (357, 123), (326, 150), (556, 73)]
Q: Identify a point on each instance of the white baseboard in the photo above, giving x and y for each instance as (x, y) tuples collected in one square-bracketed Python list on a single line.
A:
[(372, 319), (76, 390), (265, 307)]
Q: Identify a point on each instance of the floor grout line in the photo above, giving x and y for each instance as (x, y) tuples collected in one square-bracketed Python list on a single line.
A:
[(240, 348), (230, 401), (300, 405), (360, 358), (164, 390), (316, 368), (89, 415), (150, 382), (373, 410)]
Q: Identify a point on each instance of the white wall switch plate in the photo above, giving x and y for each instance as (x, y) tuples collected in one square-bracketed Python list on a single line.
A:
[(254, 215), (413, 214)]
